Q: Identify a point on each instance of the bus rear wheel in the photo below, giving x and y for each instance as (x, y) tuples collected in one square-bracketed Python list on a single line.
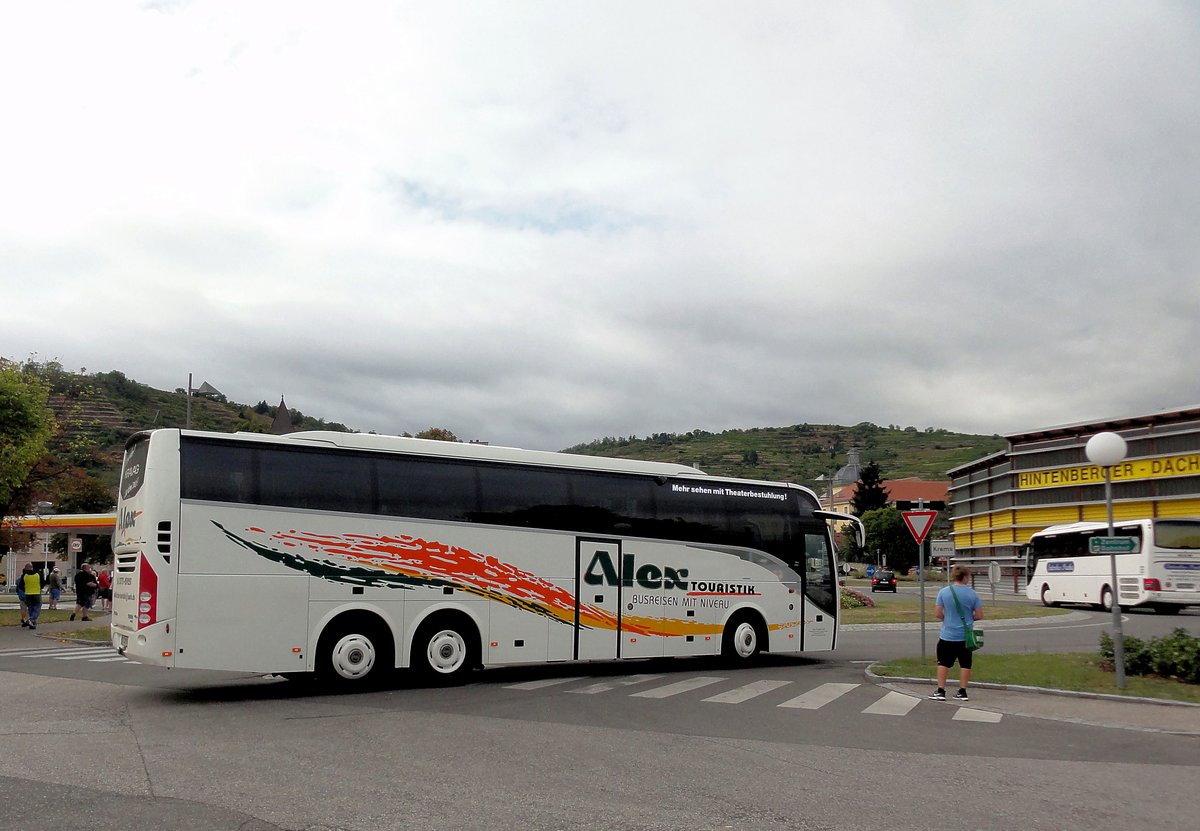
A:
[(354, 653), (446, 648), (1106, 599), (743, 639)]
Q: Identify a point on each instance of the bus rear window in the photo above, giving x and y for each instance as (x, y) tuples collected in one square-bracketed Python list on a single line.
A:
[(133, 469), (1169, 534)]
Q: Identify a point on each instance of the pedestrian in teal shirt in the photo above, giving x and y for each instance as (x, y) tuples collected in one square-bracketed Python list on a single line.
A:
[(952, 640)]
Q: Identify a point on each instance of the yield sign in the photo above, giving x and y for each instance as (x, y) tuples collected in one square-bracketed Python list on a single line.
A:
[(919, 523)]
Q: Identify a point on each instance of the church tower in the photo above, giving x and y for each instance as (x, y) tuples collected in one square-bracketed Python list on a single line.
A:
[(282, 424)]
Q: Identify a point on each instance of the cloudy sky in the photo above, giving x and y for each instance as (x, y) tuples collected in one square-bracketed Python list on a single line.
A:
[(539, 223)]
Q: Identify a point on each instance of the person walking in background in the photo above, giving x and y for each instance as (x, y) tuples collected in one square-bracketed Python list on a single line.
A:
[(54, 583), (952, 640), (29, 583), (85, 591), (105, 592)]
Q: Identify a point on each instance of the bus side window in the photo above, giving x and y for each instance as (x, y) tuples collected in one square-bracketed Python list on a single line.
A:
[(217, 472)]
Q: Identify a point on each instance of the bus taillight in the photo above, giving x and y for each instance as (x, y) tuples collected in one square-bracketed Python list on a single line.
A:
[(1151, 585), (147, 590)]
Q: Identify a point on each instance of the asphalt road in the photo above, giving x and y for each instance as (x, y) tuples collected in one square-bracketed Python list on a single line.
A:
[(796, 743)]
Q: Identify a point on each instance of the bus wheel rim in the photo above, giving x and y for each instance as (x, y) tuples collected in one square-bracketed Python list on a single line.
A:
[(353, 656), (745, 640), (447, 652)]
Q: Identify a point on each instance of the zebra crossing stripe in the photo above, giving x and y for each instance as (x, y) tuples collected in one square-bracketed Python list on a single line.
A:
[(542, 682), (893, 704), (968, 714), (605, 686), (745, 693), (87, 656), (819, 696), (58, 653), (592, 689), (678, 687)]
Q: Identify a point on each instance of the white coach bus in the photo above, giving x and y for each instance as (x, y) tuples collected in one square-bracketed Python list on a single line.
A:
[(350, 555), (1162, 573)]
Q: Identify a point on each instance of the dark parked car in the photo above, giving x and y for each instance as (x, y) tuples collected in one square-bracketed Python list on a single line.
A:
[(883, 581)]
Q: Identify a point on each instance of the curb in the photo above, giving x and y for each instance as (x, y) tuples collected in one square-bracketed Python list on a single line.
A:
[(988, 685)]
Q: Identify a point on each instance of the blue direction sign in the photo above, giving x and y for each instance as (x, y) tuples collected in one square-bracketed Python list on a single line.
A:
[(870, 571), (1112, 545)]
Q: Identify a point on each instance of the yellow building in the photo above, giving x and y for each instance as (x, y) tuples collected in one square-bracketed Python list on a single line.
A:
[(1044, 478)]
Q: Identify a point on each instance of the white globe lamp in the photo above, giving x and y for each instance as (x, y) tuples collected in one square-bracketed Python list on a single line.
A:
[(1105, 449)]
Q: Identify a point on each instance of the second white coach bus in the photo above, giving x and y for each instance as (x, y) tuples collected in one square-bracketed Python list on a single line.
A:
[(1163, 572), (350, 555)]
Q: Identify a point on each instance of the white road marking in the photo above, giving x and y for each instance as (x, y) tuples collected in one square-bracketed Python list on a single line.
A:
[(678, 687), (541, 682), (747, 692), (819, 696), (969, 714), (893, 704)]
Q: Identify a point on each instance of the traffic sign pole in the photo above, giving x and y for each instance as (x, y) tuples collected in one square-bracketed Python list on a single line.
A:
[(921, 569), (919, 522)]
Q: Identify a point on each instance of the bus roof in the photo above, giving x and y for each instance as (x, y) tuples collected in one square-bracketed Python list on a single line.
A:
[(486, 452), (1088, 526)]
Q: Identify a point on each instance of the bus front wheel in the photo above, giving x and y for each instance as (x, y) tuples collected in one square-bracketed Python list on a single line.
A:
[(354, 652), (743, 639), (446, 648), (1046, 601)]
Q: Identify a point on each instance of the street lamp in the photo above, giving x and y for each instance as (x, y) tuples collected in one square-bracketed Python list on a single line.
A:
[(1105, 450)]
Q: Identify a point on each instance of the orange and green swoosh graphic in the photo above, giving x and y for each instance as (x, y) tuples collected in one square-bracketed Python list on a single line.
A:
[(406, 562)]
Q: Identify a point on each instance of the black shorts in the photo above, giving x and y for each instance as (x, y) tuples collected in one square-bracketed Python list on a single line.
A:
[(950, 651)]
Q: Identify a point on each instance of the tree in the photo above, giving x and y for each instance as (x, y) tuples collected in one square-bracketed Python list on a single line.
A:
[(870, 495), (438, 434), (83, 494), (889, 538), (26, 427)]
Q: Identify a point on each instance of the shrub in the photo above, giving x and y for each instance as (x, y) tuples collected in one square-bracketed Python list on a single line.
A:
[(1176, 655), (852, 599)]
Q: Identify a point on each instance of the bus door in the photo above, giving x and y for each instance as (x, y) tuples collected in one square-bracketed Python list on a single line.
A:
[(597, 599), (821, 594)]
